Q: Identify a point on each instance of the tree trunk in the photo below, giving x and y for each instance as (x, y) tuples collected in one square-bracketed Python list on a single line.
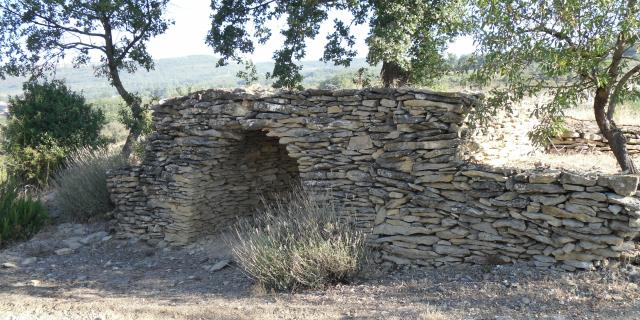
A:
[(616, 139), (393, 75), (132, 101), (128, 144)]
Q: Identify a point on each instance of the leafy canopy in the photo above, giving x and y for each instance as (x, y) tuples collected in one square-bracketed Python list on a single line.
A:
[(566, 49), (408, 37), (38, 34)]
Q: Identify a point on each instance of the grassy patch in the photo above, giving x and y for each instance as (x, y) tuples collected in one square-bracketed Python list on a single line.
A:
[(21, 215)]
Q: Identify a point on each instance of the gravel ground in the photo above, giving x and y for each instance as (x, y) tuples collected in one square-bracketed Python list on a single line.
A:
[(106, 278)]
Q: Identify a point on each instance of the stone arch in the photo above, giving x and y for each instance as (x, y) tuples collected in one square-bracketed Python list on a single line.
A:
[(242, 165), (254, 166)]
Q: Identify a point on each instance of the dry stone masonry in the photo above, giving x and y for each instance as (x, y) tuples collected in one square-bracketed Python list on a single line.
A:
[(394, 161), (584, 137)]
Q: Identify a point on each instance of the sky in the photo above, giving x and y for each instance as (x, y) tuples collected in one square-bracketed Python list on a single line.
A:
[(192, 22)]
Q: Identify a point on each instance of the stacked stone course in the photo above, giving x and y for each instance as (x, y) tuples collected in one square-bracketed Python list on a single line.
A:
[(586, 138), (394, 161)]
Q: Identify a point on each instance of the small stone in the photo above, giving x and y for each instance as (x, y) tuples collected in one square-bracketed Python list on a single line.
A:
[(510, 223), (595, 196), (544, 177), (615, 209), (482, 174), (358, 143), (538, 188), (624, 185), (28, 261), (631, 203), (9, 265), (219, 265), (549, 200), (73, 243), (576, 179), (94, 237), (587, 265), (64, 251)]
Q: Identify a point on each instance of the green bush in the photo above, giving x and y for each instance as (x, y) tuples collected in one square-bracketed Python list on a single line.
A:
[(81, 185), (298, 241), (21, 216), (43, 125), (34, 165)]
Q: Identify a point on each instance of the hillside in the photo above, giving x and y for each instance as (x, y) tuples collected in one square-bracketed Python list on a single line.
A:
[(185, 72)]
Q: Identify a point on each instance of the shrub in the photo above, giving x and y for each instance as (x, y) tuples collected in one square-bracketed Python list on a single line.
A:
[(50, 110), (21, 216), (81, 185), (34, 165), (298, 241), (44, 125)]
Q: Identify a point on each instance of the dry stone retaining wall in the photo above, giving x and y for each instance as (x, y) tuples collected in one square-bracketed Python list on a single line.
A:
[(392, 159), (585, 137)]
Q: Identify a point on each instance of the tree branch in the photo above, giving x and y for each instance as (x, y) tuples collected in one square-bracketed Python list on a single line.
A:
[(52, 24), (611, 109), (76, 45)]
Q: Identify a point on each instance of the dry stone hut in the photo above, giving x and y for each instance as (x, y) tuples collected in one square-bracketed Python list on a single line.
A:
[(394, 159)]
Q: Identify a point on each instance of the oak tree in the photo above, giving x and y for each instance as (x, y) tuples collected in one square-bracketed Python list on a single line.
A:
[(37, 35), (407, 37)]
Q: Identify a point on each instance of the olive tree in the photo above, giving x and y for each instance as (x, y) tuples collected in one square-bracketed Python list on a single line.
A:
[(36, 35), (567, 49), (407, 37)]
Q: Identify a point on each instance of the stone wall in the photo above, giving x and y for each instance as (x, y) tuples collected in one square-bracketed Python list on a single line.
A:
[(504, 137), (584, 137), (394, 161), (479, 214)]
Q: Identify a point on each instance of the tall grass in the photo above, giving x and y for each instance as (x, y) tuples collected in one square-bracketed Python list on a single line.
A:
[(298, 241), (81, 186), (21, 215)]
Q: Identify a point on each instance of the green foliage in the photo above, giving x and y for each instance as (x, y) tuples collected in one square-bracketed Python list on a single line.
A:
[(562, 49), (116, 29), (81, 185), (21, 216), (298, 241), (339, 81), (35, 164), (407, 37), (250, 74), (363, 78), (51, 111), (138, 119), (114, 132), (43, 125)]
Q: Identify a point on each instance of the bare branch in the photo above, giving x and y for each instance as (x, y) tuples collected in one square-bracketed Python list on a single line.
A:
[(611, 109)]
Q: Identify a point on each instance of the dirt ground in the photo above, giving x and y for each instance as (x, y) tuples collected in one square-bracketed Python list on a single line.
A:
[(109, 278)]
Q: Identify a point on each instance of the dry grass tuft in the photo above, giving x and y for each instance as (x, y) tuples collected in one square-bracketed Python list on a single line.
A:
[(432, 314), (81, 186), (298, 241)]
